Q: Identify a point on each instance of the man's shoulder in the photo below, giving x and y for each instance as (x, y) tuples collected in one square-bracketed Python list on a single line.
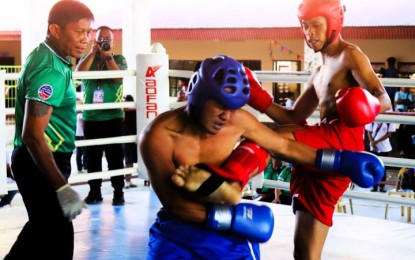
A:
[(166, 126), (351, 49), (119, 57), (243, 116), (168, 118), (121, 61)]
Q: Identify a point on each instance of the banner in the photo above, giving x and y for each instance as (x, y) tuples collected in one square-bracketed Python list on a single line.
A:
[(274, 44)]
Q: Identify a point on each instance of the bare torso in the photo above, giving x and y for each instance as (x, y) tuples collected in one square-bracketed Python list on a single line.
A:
[(184, 143), (333, 75), (192, 147)]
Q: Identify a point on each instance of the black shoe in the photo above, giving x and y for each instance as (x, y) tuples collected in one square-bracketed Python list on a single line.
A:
[(93, 199), (118, 199), (374, 190), (130, 185), (382, 190)]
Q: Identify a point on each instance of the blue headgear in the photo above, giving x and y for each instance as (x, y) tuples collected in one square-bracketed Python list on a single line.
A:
[(220, 78)]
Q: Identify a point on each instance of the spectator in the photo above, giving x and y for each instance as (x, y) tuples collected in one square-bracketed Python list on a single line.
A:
[(44, 136), (7, 199), (181, 85), (129, 127), (270, 173), (284, 196), (378, 135), (289, 100), (107, 122), (403, 100), (391, 72), (181, 96), (81, 161), (405, 142)]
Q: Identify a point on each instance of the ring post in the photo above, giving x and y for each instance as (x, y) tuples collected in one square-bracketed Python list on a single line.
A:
[(152, 93), (3, 187)]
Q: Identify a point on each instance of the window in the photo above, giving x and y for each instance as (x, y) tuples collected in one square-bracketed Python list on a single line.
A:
[(282, 90)]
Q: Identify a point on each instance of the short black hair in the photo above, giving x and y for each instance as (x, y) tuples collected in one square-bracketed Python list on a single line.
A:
[(129, 98), (68, 11), (391, 60), (104, 27)]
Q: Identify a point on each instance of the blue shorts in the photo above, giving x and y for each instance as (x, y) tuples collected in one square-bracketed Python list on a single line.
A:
[(172, 238)]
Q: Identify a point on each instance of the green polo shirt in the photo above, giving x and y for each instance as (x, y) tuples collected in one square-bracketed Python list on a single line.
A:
[(46, 77), (109, 90)]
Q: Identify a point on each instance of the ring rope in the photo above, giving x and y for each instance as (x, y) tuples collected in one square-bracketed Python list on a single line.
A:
[(349, 194), (265, 76)]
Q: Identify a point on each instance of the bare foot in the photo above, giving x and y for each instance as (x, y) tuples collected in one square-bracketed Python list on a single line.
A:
[(190, 177)]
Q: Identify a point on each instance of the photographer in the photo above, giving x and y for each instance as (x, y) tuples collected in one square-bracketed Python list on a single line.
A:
[(105, 122)]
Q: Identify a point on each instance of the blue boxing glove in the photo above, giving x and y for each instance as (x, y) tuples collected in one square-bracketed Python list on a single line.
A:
[(255, 222), (363, 168)]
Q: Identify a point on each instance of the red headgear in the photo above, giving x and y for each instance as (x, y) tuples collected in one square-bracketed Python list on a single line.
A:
[(332, 10)]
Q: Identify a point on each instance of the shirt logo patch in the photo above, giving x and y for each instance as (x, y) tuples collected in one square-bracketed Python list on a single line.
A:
[(45, 91)]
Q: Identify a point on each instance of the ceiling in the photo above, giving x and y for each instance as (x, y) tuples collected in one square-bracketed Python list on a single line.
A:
[(165, 14)]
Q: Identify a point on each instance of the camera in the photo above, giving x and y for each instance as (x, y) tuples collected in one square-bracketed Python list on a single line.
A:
[(105, 45)]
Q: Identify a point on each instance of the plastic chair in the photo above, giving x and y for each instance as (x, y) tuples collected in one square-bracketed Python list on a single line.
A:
[(404, 194)]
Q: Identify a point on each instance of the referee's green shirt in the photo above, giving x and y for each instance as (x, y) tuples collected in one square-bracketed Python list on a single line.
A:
[(46, 77)]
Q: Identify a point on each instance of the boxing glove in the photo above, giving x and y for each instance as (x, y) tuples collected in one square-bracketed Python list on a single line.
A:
[(259, 98), (255, 222), (363, 168), (70, 202), (243, 161), (356, 106)]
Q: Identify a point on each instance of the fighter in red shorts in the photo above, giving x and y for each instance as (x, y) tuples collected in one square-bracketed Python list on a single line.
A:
[(340, 88)]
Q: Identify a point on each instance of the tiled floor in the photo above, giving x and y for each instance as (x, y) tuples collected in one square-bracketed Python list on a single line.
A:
[(121, 232)]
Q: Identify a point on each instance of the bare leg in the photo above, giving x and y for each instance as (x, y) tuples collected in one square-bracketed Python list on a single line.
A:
[(309, 236)]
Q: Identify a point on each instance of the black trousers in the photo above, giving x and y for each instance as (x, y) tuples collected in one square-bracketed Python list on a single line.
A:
[(81, 155), (382, 182), (113, 152), (48, 234)]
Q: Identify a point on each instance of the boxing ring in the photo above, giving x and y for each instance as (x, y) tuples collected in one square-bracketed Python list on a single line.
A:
[(108, 232)]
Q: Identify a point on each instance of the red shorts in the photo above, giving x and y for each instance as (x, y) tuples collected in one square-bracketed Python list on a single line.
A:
[(319, 191)]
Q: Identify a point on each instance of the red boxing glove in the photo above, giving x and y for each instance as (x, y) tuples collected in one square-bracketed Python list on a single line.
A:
[(259, 97), (356, 106), (244, 160)]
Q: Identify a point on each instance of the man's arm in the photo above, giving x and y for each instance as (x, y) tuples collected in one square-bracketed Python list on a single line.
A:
[(362, 71), (86, 62), (370, 138), (261, 100), (113, 64), (36, 119), (303, 107), (37, 116), (364, 169)]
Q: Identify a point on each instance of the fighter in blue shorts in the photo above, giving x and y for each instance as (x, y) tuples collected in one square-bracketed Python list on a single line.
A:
[(195, 223)]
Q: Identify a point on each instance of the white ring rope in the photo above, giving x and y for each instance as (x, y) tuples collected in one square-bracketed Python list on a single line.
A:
[(104, 74), (109, 140), (274, 76), (349, 194), (82, 178), (263, 76)]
